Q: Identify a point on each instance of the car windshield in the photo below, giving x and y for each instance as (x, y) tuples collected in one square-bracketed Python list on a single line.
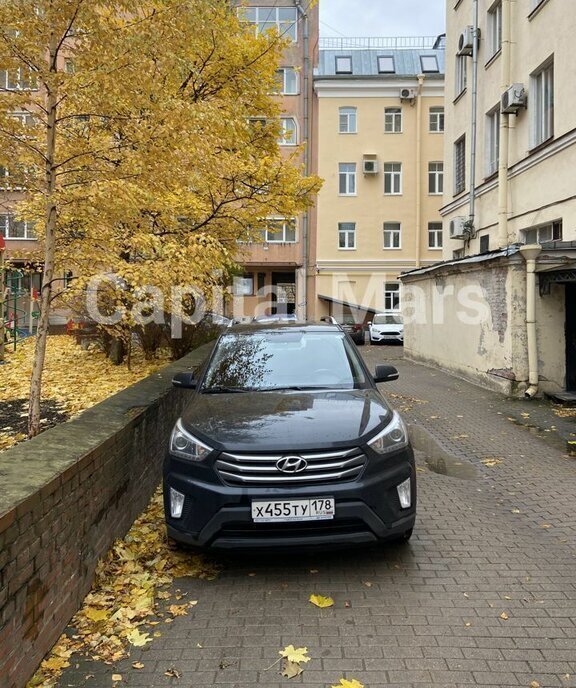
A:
[(289, 359), (387, 319)]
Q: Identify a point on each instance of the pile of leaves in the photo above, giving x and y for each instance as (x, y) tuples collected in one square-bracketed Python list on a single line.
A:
[(129, 598), (74, 380)]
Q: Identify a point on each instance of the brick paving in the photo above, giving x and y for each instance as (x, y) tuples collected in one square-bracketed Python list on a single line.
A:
[(500, 541)]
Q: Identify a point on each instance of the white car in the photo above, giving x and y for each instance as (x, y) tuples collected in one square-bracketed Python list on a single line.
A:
[(386, 328)]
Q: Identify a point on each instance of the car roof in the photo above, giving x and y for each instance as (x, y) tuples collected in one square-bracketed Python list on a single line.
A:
[(283, 326)]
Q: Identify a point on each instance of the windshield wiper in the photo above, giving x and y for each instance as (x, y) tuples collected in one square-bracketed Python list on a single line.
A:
[(299, 388), (221, 389)]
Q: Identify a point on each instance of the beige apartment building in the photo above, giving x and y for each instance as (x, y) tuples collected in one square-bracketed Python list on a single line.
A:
[(277, 276), (481, 312), (380, 152)]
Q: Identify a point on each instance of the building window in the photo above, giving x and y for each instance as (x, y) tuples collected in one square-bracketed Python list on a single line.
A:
[(280, 231), (429, 64), (344, 65), (11, 228), (243, 286), (484, 243), (393, 120), (347, 235), (460, 165), (435, 235), (288, 137), (495, 28), (392, 178), (287, 79), (461, 75), (386, 64), (347, 120), (282, 19), (435, 178), (542, 104), (391, 296), (436, 120), (26, 119), (347, 178), (538, 235), (392, 235), (492, 141), (18, 80)]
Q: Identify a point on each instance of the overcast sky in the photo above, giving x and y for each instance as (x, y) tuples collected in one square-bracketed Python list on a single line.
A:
[(382, 17)]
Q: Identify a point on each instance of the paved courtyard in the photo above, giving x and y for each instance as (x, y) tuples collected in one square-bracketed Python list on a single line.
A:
[(484, 594)]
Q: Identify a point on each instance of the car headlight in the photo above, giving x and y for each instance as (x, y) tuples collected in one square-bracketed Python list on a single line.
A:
[(186, 446), (393, 437)]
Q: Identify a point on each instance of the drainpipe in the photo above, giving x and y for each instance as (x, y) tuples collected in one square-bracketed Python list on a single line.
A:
[(419, 168), (530, 252), (474, 125), (503, 152), (306, 128)]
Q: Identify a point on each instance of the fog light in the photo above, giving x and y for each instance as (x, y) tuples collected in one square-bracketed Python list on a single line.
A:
[(405, 494), (177, 503)]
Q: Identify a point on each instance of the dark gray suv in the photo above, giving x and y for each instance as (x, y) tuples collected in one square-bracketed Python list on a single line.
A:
[(286, 442)]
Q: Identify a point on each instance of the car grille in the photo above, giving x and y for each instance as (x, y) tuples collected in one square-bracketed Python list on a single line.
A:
[(260, 469)]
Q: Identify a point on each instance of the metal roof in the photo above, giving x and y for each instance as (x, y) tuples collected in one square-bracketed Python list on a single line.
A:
[(467, 260), (365, 62)]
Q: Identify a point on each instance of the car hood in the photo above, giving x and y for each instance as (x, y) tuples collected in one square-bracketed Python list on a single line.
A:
[(286, 421), (389, 327)]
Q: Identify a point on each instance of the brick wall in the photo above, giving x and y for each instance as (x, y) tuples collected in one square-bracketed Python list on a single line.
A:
[(65, 496)]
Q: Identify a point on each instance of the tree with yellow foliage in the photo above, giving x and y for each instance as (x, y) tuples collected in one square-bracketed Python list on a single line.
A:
[(145, 138)]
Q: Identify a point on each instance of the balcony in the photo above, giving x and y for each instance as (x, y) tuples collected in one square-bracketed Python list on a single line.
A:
[(272, 253)]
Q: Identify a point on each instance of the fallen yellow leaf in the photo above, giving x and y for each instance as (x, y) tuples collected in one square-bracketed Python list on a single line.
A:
[(295, 654), (320, 601), (290, 669), (504, 616), (116, 677), (345, 683), (137, 665), (138, 639)]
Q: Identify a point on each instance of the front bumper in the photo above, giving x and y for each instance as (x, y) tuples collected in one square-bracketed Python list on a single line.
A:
[(386, 337), (218, 516)]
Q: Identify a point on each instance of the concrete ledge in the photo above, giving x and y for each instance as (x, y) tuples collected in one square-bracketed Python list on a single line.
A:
[(65, 496)]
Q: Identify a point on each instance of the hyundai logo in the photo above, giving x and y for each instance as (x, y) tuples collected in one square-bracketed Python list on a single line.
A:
[(291, 464)]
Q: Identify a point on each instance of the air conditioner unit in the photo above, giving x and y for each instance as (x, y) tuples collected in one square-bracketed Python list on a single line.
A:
[(513, 99), (458, 228), (370, 166), (466, 41), (408, 94)]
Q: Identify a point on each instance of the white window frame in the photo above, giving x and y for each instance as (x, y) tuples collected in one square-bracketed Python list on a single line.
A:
[(284, 71), (347, 236), (436, 178), (492, 141), (494, 26), (429, 64), (382, 61), (243, 286), (343, 60), (461, 75), (392, 236), (286, 233), (460, 166), (393, 120), (285, 129), (12, 80), (551, 231), (542, 104), (392, 297), (435, 236), (393, 178), (270, 15), (347, 174), (348, 115), (436, 120), (7, 220)]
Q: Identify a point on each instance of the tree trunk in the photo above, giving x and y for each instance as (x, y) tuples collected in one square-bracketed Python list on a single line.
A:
[(49, 253)]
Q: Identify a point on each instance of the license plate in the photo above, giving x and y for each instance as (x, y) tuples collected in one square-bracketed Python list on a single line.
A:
[(281, 511)]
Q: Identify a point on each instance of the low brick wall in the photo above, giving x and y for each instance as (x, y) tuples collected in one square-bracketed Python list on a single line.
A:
[(65, 496)]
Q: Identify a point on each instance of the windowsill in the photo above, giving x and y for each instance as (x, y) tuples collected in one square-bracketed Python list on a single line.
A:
[(542, 145), (537, 9), (288, 145), (277, 243), (434, 248), (21, 238), (436, 194), (490, 177), (391, 248), (459, 193), (348, 133), (393, 194), (493, 58), (459, 96), (435, 132), (341, 195), (393, 132), (346, 249)]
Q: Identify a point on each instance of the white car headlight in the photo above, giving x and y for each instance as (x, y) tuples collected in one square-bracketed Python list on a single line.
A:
[(186, 446), (393, 437)]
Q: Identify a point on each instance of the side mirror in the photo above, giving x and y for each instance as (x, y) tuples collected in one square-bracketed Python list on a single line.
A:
[(385, 373), (184, 380), (369, 322)]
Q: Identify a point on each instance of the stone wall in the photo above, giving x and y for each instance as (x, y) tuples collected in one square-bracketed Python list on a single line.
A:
[(65, 496)]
